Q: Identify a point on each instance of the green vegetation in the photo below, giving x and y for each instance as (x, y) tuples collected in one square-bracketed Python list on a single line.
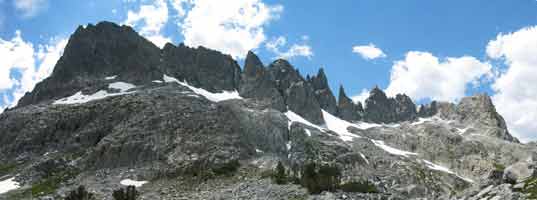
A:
[(499, 166), (362, 187), (530, 188), (6, 169), (49, 185), (279, 176), (227, 169), (128, 193), (326, 178), (80, 194), (317, 178)]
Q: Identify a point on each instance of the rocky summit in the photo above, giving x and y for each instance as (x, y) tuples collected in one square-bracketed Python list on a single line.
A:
[(120, 118)]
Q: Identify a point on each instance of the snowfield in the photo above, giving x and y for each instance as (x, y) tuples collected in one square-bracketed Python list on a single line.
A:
[(79, 98), (127, 182), (436, 167), (214, 97), (392, 150), (8, 185)]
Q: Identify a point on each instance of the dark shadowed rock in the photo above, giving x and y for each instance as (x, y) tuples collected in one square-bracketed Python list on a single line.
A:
[(257, 83), (94, 53), (107, 49), (324, 95), (201, 67), (427, 110), (297, 92), (347, 110), (405, 109), (380, 108)]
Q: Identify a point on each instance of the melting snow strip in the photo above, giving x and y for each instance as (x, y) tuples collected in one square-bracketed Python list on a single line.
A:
[(363, 156), (79, 98), (308, 132), (340, 126), (214, 97), (8, 185), (127, 182), (436, 167), (110, 77), (121, 86), (293, 117), (392, 150)]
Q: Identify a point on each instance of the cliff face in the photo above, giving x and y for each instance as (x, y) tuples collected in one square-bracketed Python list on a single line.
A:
[(194, 125)]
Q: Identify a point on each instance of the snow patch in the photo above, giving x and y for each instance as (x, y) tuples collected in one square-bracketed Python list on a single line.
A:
[(436, 167), (363, 156), (157, 81), (340, 126), (293, 117), (258, 151), (214, 97), (462, 130), (79, 98), (8, 185), (121, 86), (421, 121), (127, 182), (392, 150), (307, 132), (288, 145), (110, 77)]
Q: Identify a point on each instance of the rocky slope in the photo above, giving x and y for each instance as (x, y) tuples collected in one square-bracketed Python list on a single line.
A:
[(188, 123)]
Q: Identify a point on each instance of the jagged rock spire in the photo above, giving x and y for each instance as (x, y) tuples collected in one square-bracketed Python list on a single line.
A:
[(347, 110), (257, 83), (252, 64), (324, 95), (299, 95), (379, 108)]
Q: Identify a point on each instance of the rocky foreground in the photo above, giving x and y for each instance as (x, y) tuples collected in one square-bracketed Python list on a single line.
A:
[(189, 123)]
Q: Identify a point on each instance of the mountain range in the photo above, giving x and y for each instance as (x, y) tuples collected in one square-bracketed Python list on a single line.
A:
[(190, 123)]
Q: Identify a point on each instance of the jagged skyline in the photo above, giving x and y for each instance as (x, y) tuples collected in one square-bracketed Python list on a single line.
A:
[(390, 44)]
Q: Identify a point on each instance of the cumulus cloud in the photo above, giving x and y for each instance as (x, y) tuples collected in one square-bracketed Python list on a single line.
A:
[(516, 91), (295, 50), (233, 27), (369, 52), (361, 97), (421, 75), (30, 8), (23, 66), (151, 20)]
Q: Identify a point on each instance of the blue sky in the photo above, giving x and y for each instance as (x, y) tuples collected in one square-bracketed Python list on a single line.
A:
[(430, 49)]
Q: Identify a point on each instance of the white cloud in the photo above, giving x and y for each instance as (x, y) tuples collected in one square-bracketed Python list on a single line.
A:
[(30, 8), (369, 52), (179, 6), (421, 75), (233, 27), (32, 65), (294, 50), (151, 19), (361, 97), (516, 88)]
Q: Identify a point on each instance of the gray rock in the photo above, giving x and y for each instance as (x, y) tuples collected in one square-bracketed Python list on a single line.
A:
[(257, 83), (298, 94), (324, 95), (479, 111), (379, 108), (347, 110)]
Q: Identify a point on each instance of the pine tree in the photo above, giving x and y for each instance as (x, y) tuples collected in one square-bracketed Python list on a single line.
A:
[(280, 176)]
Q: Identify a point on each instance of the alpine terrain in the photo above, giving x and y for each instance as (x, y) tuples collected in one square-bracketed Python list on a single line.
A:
[(190, 123)]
